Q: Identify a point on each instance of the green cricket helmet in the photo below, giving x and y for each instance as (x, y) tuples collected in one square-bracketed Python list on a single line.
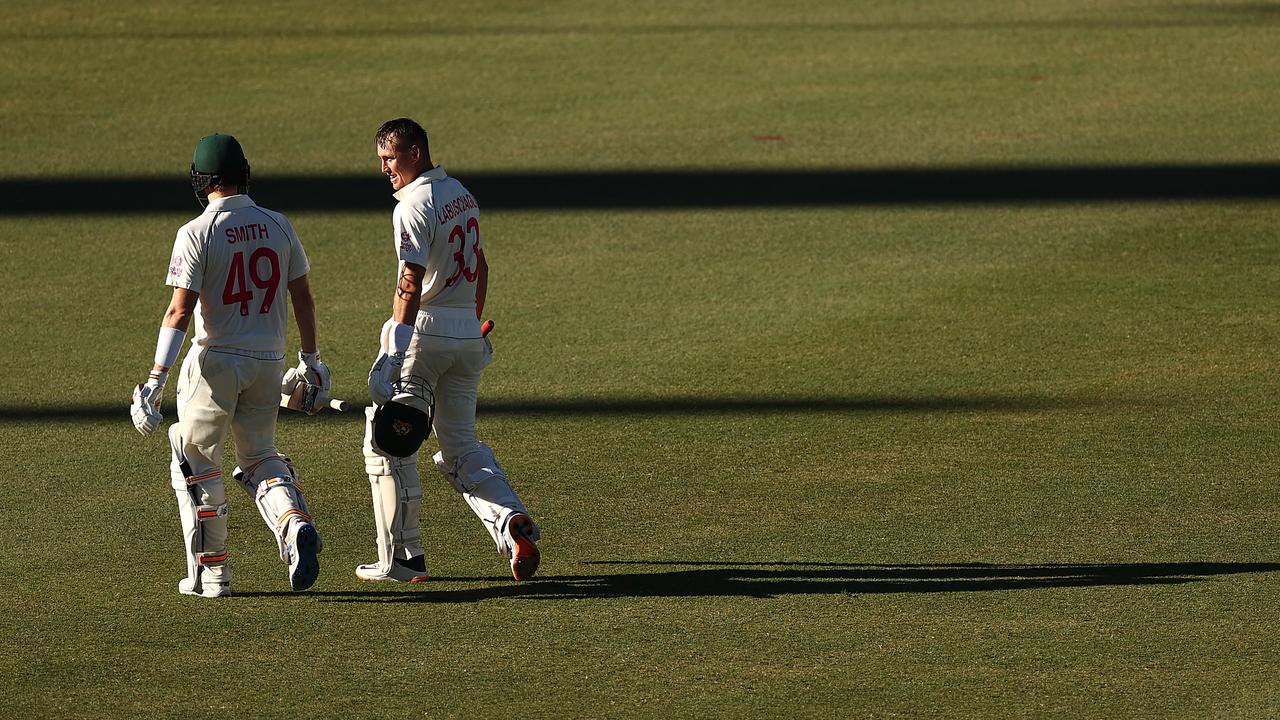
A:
[(218, 160)]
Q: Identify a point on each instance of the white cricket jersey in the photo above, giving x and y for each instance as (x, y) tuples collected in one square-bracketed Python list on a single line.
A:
[(437, 226), (240, 258)]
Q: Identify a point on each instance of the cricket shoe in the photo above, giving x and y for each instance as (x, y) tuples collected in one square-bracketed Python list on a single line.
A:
[(414, 571), (524, 551), (187, 586), (304, 566)]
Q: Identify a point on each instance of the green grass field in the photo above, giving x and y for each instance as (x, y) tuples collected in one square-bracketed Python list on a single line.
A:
[(997, 460)]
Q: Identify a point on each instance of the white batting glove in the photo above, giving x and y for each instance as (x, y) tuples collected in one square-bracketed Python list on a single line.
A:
[(145, 409), (384, 335), (289, 381), (302, 395), (314, 371), (384, 376)]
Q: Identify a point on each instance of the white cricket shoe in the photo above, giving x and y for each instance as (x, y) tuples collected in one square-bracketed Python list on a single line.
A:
[(525, 555), (304, 566), (413, 571), (187, 586)]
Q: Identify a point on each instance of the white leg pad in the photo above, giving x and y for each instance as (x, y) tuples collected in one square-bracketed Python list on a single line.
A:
[(397, 502), (396, 489), (273, 485), (202, 511), (483, 484)]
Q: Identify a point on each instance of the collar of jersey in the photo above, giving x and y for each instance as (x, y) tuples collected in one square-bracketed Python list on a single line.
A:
[(229, 203), (435, 173)]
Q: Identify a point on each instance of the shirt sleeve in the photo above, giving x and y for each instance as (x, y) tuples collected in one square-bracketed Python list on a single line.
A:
[(186, 265), (413, 235)]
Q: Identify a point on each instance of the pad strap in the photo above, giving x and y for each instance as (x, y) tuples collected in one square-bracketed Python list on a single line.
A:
[(193, 479), (212, 558), (210, 512)]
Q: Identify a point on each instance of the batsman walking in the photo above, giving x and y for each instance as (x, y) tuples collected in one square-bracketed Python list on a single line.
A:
[(230, 270), (428, 371)]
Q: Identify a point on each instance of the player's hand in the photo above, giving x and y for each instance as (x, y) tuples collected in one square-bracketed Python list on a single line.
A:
[(485, 328), (314, 371), (145, 409), (302, 395), (384, 376)]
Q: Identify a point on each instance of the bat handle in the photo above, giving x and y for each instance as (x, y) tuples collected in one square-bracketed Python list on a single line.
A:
[(486, 327)]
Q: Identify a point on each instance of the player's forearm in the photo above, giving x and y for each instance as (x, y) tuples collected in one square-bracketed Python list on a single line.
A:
[(173, 328), (408, 297), (304, 313), (169, 344), (405, 310), (482, 284), (176, 317)]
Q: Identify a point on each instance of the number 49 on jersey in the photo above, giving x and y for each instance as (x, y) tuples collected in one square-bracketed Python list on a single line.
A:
[(237, 288)]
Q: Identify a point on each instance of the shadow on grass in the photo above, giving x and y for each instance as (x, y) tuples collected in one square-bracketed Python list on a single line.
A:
[(748, 189), (774, 579), (641, 406), (1172, 17)]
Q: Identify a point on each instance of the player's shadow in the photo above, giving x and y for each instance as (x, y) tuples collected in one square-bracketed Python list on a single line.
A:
[(774, 579)]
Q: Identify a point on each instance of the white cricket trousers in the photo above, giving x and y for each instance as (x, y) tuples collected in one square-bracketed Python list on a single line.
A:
[(451, 368), (225, 388), (219, 389)]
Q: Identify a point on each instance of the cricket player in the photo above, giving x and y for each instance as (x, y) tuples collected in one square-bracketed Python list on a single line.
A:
[(428, 372), (230, 269)]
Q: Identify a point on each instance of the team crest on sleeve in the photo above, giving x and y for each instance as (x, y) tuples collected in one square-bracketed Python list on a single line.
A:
[(405, 243), (175, 266)]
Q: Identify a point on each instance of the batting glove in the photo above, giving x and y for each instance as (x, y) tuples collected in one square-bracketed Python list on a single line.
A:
[(384, 376), (302, 395), (145, 409), (314, 371)]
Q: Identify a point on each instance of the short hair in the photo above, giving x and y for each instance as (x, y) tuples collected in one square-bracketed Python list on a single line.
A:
[(403, 132)]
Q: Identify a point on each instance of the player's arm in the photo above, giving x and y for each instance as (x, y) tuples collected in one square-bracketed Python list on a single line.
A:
[(413, 241), (413, 237), (304, 312), (145, 407), (408, 295), (482, 282), (173, 328), (397, 332), (311, 369)]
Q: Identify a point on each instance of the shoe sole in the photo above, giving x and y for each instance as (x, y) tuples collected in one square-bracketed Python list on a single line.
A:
[(525, 559), (388, 578), (225, 593), (306, 546), (392, 578)]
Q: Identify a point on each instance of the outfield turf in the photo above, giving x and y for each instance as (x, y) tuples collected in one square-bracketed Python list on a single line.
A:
[(1009, 459)]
